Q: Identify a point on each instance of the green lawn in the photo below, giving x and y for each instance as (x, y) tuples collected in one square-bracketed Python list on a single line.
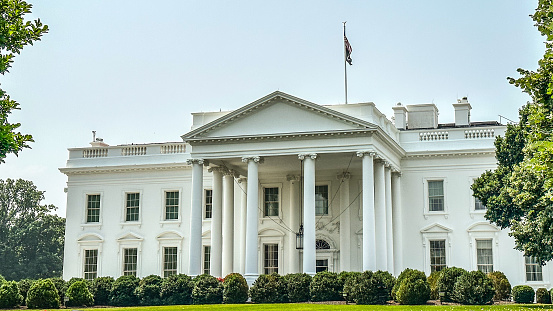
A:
[(306, 306)]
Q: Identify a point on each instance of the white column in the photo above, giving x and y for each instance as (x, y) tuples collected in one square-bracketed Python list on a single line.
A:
[(243, 208), (195, 246), (309, 252), (217, 222), (389, 215), (228, 223), (397, 222), (369, 233), (380, 216), (294, 254), (345, 233), (251, 269)]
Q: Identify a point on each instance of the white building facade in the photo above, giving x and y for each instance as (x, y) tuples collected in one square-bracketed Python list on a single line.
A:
[(368, 194)]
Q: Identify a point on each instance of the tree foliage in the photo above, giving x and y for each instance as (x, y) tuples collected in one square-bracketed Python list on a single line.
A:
[(519, 193), (31, 239), (15, 33)]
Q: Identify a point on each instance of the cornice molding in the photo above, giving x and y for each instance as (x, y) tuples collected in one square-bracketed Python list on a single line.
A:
[(450, 154), (122, 169)]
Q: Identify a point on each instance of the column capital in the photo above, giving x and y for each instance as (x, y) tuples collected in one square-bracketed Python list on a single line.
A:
[(256, 159), (387, 164), (229, 172), (302, 156), (194, 161), (366, 153), (343, 175), (396, 171), (292, 177)]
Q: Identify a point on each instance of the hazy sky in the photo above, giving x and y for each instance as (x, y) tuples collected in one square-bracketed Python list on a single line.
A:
[(135, 70)]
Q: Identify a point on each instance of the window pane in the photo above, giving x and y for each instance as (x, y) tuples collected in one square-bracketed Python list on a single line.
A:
[(90, 264), (207, 259), (437, 255), (130, 260), (271, 202), (271, 258), (478, 206), (171, 205), (436, 195), (169, 261), (93, 208), (133, 206), (321, 200), (208, 203), (321, 265), (484, 255), (533, 269)]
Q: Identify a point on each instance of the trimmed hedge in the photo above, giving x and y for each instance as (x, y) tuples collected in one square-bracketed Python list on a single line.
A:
[(473, 288), (61, 286), (298, 287), (373, 288), (9, 295), (177, 289), (325, 286), (351, 281), (269, 288), (123, 291), (207, 290), (542, 295), (101, 289), (523, 294), (24, 286), (79, 295), (400, 279), (446, 282), (148, 290), (413, 289), (43, 295), (235, 289), (501, 285)]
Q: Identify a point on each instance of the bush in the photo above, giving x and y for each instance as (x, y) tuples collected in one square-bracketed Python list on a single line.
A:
[(101, 288), (473, 288), (388, 280), (177, 290), (149, 290), (207, 290), (43, 295), (446, 282), (24, 286), (269, 288), (298, 287), (61, 287), (351, 285), (407, 273), (9, 295), (123, 291), (235, 289), (432, 280), (501, 285), (2, 280), (542, 296), (325, 287), (372, 288), (79, 295), (523, 294), (413, 288)]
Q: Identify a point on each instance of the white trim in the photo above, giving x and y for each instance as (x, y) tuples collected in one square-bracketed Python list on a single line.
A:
[(472, 208), (96, 242), (262, 217), (327, 183), (426, 200), (130, 240), (204, 204), (84, 223), (270, 236), (163, 221), (435, 232), (170, 238), (124, 221), (483, 230)]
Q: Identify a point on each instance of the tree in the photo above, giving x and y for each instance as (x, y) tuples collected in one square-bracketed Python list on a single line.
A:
[(15, 33), (31, 239), (519, 193)]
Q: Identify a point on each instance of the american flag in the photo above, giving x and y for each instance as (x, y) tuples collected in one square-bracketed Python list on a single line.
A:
[(348, 50)]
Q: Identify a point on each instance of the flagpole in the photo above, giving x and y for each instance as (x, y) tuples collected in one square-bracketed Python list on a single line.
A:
[(345, 66)]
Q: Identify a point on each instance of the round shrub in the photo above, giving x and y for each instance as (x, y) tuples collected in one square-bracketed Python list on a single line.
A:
[(24, 286), (298, 287), (207, 290), (473, 288), (407, 273), (446, 282), (235, 289), (372, 288), (148, 290), (101, 288), (413, 289), (351, 285), (501, 285), (123, 291), (79, 295), (61, 286), (389, 281), (269, 288), (432, 280), (325, 287), (542, 296), (43, 295), (523, 294), (9, 295), (177, 289)]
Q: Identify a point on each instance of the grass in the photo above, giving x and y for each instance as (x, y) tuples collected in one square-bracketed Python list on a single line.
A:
[(324, 307)]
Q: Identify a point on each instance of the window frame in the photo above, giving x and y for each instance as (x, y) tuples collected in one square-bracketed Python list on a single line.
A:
[(164, 204), (85, 263), (88, 208), (124, 221), (84, 223), (163, 262), (426, 196), (330, 195), (473, 210), (126, 241), (205, 204), (442, 266), (264, 260), (435, 231), (492, 255), (169, 238), (525, 271), (204, 246), (262, 201), (89, 241), (123, 269)]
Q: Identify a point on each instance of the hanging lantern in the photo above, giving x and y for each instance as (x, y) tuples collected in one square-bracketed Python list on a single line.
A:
[(299, 238)]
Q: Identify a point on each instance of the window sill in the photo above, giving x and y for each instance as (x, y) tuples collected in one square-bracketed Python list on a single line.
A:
[(428, 214), (176, 222), (477, 213), (91, 225), (131, 223)]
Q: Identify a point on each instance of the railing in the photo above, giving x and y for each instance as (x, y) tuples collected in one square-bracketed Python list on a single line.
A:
[(95, 153), (176, 148), (426, 136), (485, 133), (133, 151), (127, 151)]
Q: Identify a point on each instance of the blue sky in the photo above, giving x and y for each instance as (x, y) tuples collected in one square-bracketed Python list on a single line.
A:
[(135, 70)]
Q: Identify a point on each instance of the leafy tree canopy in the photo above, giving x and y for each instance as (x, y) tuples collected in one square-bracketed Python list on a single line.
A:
[(15, 33), (31, 239), (519, 193)]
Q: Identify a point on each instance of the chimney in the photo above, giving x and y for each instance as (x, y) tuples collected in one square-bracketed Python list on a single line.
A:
[(400, 116), (462, 112), (96, 141)]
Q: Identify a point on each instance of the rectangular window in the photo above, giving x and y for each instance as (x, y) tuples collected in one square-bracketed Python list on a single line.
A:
[(270, 262), (90, 264), (321, 200), (130, 259), (271, 201), (478, 205), (533, 270), (484, 256), (436, 195), (132, 206), (321, 265), (171, 205), (169, 261), (208, 203), (93, 208), (207, 259), (437, 255)]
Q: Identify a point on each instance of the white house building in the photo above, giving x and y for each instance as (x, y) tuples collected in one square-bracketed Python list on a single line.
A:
[(368, 194)]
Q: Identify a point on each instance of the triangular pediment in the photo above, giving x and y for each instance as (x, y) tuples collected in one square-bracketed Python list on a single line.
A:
[(278, 114), (435, 228), (131, 236), (90, 238), (483, 227), (169, 235)]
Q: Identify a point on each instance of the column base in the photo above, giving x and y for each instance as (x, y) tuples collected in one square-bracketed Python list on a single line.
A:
[(250, 278)]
